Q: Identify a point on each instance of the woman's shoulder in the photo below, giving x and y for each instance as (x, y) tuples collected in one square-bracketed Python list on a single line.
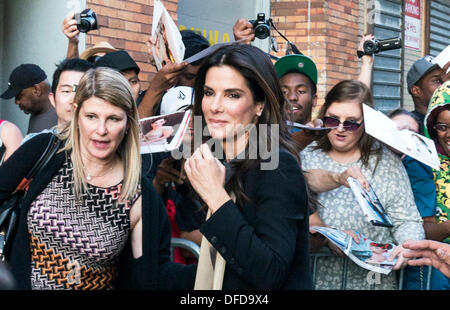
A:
[(281, 164), (311, 150), (388, 157)]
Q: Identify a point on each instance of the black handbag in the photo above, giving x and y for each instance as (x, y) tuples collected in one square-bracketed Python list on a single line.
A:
[(10, 209)]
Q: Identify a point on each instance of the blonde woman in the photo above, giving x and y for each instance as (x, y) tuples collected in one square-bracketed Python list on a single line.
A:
[(82, 225)]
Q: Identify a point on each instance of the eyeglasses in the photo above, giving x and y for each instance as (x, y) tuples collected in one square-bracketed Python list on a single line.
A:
[(329, 121), (441, 127)]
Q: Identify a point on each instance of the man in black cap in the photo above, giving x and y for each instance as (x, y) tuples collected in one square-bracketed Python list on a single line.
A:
[(28, 84), (122, 61), (423, 78)]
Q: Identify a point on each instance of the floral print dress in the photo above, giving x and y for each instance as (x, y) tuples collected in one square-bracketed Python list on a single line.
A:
[(339, 209)]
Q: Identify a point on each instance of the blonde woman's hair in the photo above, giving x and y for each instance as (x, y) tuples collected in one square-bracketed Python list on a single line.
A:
[(111, 86)]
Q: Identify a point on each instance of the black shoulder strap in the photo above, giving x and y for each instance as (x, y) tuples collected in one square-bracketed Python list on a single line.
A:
[(52, 147)]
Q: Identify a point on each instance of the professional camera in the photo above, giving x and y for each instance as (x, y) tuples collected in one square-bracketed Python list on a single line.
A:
[(375, 46), (261, 26), (86, 20)]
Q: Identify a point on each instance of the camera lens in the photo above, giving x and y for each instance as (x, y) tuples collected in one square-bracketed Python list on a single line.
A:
[(84, 26), (262, 31), (369, 47)]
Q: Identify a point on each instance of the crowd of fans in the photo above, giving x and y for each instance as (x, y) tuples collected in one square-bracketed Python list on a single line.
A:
[(101, 215)]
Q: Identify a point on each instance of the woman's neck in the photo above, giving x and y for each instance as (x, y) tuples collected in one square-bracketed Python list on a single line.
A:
[(233, 147), (345, 157), (96, 166)]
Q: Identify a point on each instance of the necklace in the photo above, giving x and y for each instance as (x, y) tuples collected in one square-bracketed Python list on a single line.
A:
[(90, 176)]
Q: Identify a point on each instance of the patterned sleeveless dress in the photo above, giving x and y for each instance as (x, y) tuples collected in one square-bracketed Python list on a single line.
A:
[(76, 244)]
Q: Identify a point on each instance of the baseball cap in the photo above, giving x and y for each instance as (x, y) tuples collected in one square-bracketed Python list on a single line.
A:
[(176, 99), (300, 63), (100, 47), (23, 76), (119, 60), (419, 69)]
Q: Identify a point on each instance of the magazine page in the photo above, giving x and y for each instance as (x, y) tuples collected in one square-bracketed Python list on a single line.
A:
[(443, 58), (298, 125), (163, 133), (366, 254), (169, 45), (370, 204), (410, 143)]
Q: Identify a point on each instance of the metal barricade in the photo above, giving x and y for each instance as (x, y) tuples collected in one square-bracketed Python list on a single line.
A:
[(184, 244)]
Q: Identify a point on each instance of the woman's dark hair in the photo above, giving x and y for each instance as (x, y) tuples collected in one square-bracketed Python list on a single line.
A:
[(261, 78), (351, 90), (401, 111)]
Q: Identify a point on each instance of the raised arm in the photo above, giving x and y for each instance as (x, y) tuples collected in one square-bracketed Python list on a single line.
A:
[(323, 180), (365, 75), (69, 28)]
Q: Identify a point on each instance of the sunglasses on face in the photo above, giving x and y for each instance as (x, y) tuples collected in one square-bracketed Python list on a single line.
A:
[(441, 127), (329, 121)]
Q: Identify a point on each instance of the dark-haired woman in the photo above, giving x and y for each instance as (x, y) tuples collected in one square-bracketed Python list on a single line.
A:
[(345, 147), (263, 236)]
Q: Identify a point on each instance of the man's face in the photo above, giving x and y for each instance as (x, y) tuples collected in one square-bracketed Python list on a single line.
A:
[(134, 81), (428, 84), (27, 101), (299, 98), (63, 97), (187, 77)]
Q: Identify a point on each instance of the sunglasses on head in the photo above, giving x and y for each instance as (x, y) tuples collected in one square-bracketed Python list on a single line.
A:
[(329, 121)]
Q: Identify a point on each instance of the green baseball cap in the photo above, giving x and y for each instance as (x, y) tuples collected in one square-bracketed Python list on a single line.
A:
[(300, 63)]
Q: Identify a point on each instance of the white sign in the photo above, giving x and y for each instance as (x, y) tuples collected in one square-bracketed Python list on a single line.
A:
[(412, 24)]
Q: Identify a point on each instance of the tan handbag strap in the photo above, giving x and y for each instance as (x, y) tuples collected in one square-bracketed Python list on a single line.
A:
[(210, 275)]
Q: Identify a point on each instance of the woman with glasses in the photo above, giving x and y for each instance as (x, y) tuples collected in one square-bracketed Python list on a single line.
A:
[(437, 128), (346, 150)]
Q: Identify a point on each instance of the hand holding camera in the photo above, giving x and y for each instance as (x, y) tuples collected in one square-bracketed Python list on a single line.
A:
[(261, 26), (86, 21), (70, 29), (243, 31)]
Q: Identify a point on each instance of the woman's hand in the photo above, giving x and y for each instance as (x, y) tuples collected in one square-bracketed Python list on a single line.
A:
[(366, 59), (354, 172), (398, 252), (207, 176), (166, 173), (429, 252)]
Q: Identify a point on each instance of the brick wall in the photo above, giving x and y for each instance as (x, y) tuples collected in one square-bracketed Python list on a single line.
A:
[(127, 24), (327, 31)]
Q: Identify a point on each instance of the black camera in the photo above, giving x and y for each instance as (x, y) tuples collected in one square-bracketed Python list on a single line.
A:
[(261, 26), (86, 21), (375, 46)]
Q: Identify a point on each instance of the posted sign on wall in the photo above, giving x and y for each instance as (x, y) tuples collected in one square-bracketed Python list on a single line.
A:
[(412, 24)]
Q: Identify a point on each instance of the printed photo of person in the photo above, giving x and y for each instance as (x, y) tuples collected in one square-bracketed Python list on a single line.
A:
[(375, 205), (158, 133), (420, 145), (380, 254), (160, 130)]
